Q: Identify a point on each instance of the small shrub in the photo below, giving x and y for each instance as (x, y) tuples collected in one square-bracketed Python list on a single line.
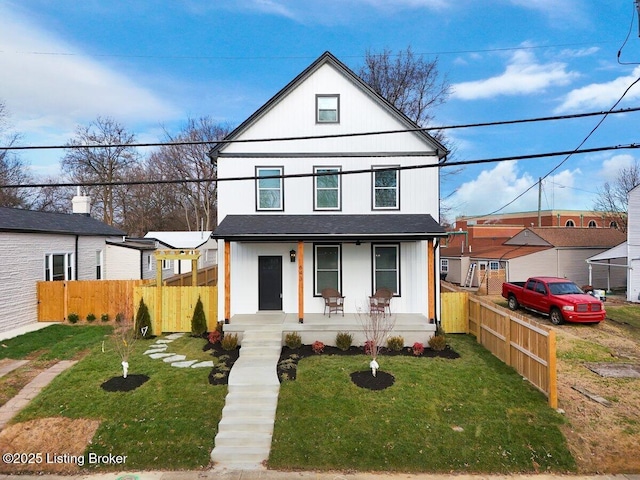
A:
[(119, 317), (229, 341), (143, 319), (73, 318), (418, 349), (199, 320), (214, 337), (344, 341), (91, 318), (317, 347), (395, 344), (104, 317), (368, 347), (438, 343), (293, 340), (284, 377), (220, 327)]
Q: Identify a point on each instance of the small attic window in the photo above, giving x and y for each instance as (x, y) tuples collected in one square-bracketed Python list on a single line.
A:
[(327, 108)]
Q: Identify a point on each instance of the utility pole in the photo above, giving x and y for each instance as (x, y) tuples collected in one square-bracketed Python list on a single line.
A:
[(540, 196), (637, 2)]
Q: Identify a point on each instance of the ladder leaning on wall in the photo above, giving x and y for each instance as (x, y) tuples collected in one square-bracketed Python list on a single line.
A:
[(469, 280)]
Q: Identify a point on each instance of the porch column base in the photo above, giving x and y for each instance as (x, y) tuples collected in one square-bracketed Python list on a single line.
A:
[(226, 321), (301, 320)]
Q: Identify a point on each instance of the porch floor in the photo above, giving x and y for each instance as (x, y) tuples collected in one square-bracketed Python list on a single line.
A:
[(413, 327)]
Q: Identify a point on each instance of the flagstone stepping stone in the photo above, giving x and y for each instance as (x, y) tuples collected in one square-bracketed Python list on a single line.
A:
[(161, 355), (174, 336), (183, 364), (162, 346), (206, 363), (174, 358), (162, 340)]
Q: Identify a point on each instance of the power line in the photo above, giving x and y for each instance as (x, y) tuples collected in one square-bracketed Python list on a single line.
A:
[(322, 174), (328, 136)]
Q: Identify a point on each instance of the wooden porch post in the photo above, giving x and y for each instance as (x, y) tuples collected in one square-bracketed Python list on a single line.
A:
[(300, 282), (194, 272), (431, 283), (227, 281)]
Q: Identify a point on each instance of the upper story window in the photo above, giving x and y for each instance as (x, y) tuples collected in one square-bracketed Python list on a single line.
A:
[(570, 223), (593, 224), (327, 108), (326, 195), (269, 191), (386, 189)]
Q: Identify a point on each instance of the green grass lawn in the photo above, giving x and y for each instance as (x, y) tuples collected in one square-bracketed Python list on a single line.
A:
[(472, 414), (167, 423), (628, 314)]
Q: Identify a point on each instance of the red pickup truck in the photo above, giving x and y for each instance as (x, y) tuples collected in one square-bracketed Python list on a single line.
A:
[(559, 298)]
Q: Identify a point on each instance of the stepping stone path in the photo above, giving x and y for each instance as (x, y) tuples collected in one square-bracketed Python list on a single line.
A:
[(159, 351)]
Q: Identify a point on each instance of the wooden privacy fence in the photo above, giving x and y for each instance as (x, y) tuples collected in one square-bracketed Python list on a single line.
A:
[(56, 300), (525, 345), (207, 277), (176, 305)]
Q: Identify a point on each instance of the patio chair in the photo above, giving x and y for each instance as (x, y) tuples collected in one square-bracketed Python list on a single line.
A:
[(380, 302), (333, 301)]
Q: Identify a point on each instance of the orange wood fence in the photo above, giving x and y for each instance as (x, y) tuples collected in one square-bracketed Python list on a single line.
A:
[(522, 343)]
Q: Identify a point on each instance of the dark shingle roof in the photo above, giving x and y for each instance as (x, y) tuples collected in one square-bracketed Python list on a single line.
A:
[(325, 227), (18, 220), (573, 237)]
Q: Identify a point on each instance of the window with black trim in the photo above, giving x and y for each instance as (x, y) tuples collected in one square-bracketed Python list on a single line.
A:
[(386, 267), (327, 108), (385, 189), (570, 223), (58, 266), (444, 265), (327, 265), (269, 194), (326, 194)]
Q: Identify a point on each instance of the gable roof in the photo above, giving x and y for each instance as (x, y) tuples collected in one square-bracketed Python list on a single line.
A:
[(30, 221), (181, 239), (497, 252), (328, 58), (568, 237), (373, 227)]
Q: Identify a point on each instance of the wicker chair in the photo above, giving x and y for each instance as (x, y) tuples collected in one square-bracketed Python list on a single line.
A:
[(380, 302), (333, 301)]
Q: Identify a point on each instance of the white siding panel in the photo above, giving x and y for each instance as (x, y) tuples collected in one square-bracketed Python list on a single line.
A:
[(122, 263), (22, 260), (87, 248), (633, 242)]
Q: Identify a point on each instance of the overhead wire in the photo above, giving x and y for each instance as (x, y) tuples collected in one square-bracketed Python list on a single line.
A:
[(326, 136)]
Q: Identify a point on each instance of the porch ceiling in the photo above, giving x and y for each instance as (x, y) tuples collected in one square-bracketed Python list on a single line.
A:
[(372, 227)]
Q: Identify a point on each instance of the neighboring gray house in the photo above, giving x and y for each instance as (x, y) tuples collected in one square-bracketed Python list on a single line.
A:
[(36, 246), (549, 251)]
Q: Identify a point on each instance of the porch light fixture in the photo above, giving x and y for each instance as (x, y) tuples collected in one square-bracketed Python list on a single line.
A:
[(292, 256)]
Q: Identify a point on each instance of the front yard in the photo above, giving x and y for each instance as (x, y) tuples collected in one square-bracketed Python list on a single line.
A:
[(471, 414)]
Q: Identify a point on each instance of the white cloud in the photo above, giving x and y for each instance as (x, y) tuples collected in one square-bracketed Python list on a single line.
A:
[(522, 76), (555, 9), (45, 91), (601, 95), (611, 167)]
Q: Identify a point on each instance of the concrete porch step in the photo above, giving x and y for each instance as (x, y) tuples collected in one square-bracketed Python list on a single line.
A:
[(247, 410), (247, 424), (240, 455), (238, 439), (241, 401)]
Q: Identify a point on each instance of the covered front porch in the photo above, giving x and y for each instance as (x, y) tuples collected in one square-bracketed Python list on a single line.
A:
[(318, 327)]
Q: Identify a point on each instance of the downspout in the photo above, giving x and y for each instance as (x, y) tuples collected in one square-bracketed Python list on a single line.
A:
[(75, 260), (141, 264)]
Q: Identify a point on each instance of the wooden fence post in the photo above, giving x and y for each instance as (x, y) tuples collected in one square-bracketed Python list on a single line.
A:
[(552, 373)]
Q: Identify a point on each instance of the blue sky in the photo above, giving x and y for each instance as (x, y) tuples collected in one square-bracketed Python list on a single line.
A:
[(152, 64)]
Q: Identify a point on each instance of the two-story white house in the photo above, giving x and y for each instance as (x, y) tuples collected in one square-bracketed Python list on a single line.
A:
[(332, 205)]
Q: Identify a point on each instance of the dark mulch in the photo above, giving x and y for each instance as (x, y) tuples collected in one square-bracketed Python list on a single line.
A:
[(219, 374), (289, 358), (121, 384), (365, 379)]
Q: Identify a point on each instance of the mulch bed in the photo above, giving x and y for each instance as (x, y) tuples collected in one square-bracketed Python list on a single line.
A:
[(219, 374), (289, 358), (121, 384)]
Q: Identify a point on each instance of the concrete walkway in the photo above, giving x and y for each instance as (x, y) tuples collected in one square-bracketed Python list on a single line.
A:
[(244, 434), (29, 392)]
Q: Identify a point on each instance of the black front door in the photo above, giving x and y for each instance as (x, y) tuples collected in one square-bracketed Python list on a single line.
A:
[(270, 283)]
